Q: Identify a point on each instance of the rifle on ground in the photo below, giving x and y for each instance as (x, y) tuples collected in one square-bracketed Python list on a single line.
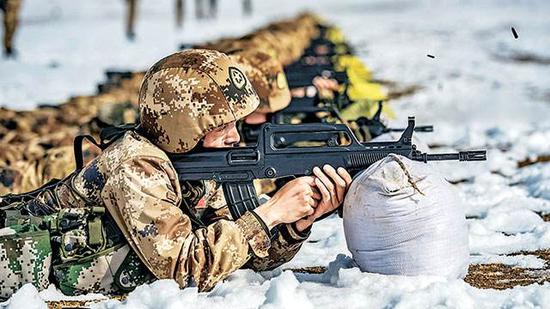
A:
[(286, 150)]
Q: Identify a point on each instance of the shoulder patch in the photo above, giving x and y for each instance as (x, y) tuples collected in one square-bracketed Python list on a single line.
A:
[(237, 78)]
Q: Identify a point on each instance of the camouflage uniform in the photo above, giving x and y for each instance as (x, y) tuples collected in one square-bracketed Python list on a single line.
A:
[(175, 231), (11, 10)]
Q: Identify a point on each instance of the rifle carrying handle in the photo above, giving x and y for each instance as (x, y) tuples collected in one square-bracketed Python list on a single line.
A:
[(240, 197)]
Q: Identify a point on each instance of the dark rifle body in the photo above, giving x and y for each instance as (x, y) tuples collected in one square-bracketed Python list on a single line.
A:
[(274, 156), (312, 105), (327, 48), (304, 78)]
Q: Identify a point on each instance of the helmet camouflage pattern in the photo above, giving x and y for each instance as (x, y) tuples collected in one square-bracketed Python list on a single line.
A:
[(190, 93), (267, 77)]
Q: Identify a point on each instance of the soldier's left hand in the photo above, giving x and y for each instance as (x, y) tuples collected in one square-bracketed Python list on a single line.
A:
[(332, 185)]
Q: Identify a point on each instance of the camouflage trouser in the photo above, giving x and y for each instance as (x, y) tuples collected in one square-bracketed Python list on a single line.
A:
[(113, 270), (11, 10), (81, 248), (25, 257)]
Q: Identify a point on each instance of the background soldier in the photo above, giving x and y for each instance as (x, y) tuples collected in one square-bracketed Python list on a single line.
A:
[(10, 9), (130, 19), (180, 11), (247, 7), (206, 9)]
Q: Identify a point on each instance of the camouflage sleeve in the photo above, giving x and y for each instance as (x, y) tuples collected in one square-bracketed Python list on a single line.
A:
[(283, 248), (143, 196)]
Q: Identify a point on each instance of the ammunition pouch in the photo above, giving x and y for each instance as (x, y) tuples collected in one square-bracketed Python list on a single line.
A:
[(80, 249)]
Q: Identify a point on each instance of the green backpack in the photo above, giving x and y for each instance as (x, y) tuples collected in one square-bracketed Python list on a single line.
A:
[(80, 250)]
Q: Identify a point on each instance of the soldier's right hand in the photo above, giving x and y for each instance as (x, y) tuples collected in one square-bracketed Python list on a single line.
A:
[(295, 200)]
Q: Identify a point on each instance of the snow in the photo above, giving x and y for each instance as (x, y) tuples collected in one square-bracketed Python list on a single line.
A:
[(284, 292), (520, 260), (536, 179), (51, 294), (27, 297), (472, 94), (342, 286)]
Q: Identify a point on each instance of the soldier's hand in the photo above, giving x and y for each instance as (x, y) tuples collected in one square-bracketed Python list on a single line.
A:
[(332, 185), (325, 83), (295, 200)]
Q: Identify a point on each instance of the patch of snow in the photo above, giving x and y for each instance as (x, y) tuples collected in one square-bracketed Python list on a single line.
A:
[(536, 179), (26, 297), (284, 292), (520, 260)]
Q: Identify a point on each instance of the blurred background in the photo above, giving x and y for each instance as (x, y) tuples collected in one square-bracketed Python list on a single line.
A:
[(62, 47)]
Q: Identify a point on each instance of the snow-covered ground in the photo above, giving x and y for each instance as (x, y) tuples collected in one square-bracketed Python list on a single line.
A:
[(473, 96)]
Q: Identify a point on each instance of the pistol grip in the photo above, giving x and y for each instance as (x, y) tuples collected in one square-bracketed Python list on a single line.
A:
[(240, 197)]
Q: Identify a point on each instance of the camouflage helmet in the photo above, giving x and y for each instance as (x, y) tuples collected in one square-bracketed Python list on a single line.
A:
[(267, 77), (190, 93)]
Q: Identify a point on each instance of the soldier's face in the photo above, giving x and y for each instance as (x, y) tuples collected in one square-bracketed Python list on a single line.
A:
[(225, 136)]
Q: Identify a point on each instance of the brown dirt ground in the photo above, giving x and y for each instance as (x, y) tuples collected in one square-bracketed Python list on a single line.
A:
[(75, 304), (500, 276), (528, 162), (491, 276)]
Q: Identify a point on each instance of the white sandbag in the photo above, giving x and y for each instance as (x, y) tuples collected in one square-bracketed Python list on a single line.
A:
[(393, 228)]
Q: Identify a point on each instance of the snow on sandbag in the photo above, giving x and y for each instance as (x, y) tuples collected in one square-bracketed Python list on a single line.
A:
[(401, 217)]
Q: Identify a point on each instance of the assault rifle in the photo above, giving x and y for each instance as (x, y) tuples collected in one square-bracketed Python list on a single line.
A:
[(308, 63), (308, 109), (114, 79), (304, 77), (307, 106), (325, 47), (375, 127), (274, 156), (311, 105)]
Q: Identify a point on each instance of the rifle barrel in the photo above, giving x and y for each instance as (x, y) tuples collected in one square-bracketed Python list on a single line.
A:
[(476, 155)]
